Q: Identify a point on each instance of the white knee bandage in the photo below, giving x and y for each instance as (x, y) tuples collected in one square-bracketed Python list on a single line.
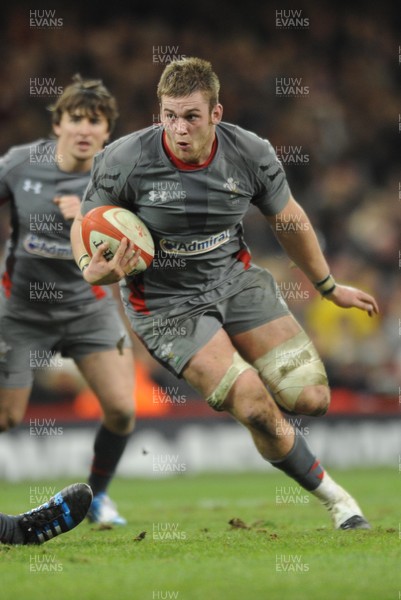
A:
[(290, 367), (217, 397)]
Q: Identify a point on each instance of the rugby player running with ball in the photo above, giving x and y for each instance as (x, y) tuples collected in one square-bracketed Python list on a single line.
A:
[(242, 350)]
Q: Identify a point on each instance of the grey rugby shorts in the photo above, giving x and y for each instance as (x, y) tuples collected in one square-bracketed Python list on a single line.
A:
[(174, 336), (37, 343)]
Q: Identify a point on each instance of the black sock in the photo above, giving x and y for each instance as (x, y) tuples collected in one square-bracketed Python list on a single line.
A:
[(10, 532), (301, 465), (108, 448)]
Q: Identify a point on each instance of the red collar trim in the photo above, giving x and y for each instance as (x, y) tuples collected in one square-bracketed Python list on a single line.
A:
[(187, 166)]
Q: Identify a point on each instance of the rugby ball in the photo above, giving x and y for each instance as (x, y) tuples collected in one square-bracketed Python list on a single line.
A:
[(112, 223)]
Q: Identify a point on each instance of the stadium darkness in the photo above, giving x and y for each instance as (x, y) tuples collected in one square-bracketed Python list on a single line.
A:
[(346, 130)]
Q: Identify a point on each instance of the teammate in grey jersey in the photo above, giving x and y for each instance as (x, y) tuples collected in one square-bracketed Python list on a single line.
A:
[(203, 309), (46, 307)]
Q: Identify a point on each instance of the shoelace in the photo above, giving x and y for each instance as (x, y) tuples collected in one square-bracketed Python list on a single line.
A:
[(29, 523)]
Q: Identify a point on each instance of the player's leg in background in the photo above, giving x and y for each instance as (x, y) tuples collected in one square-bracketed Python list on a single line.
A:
[(61, 513), (110, 375), (288, 363), (13, 404), (16, 370)]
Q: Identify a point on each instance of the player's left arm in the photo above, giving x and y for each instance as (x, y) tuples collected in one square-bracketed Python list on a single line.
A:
[(295, 233)]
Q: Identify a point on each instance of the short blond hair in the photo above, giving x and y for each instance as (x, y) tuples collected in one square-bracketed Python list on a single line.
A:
[(186, 76)]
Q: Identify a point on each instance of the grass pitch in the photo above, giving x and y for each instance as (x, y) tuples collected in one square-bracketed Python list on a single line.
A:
[(180, 544)]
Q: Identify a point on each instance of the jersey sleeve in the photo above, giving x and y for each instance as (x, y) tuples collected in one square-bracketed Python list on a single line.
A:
[(111, 170), (105, 185), (5, 165), (12, 167), (274, 191)]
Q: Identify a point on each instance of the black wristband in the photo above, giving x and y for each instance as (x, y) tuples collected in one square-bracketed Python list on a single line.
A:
[(326, 285)]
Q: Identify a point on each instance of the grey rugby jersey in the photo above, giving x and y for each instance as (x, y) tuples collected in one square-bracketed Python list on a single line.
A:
[(194, 216), (40, 269)]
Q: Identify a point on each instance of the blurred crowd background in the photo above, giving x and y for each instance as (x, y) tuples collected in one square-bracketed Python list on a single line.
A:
[(338, 138)]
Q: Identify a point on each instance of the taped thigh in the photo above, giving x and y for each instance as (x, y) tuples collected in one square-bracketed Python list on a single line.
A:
[(217, 397), (290, 367)]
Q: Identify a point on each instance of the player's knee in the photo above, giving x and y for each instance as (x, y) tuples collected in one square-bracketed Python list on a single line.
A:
[(8, 421), (314, 400), (296, 376), (120, 419)]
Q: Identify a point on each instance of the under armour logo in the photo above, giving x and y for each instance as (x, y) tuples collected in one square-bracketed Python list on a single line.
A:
[(153, 196), (32, 186)]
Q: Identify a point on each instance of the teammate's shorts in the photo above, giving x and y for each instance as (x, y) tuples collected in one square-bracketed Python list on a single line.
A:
[(174, 336), (29, 345)]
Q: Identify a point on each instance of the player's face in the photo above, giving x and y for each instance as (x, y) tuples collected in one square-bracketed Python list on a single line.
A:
[(190, 126), (80, 136)]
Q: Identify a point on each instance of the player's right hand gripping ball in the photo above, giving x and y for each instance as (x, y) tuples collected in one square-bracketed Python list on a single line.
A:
[(112, 223)]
